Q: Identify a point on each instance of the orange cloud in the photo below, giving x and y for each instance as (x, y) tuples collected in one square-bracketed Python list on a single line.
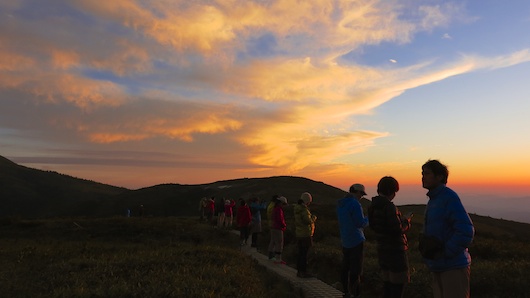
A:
[(296, 145), (208, 27), (105, 138), (58, 87), (183, 129), (166, 120), (10, 61), (84, 93), (300, 80), (180, 25), (64, 59)]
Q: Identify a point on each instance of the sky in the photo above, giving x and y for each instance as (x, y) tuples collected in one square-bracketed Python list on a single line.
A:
[(141, 93)]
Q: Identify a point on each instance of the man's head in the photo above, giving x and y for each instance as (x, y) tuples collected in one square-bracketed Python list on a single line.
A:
[(357, 190), (434, 173), (275, 199), (387, 186), (282, 200), (306, 198)]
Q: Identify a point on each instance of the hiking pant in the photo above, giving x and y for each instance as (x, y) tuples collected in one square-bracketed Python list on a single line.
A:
[(451, 283), (276, 244), (352, 268), (304, 243)]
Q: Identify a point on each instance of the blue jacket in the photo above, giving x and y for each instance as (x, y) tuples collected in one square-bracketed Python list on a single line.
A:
[(447, 220), (351, 221), (255, 209)]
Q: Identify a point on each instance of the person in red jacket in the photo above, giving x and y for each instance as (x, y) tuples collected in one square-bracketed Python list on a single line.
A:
[(210, 208), (277, 229), (243, 221), (229, 204)]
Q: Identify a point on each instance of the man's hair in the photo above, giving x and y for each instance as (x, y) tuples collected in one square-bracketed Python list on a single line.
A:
[(387, 186), (437, 168)]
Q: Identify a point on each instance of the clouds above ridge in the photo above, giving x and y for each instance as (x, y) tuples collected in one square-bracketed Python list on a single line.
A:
[(182, 75)]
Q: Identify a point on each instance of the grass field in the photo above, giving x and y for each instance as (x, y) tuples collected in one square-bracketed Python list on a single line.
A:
[(183, 257), (128, 257)]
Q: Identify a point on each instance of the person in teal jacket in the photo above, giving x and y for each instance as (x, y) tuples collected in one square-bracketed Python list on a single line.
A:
[(255, 225), (448, 231), (351, 224)]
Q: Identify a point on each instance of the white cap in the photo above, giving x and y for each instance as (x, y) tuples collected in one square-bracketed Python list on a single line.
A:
[(306, 197), (358, 187)]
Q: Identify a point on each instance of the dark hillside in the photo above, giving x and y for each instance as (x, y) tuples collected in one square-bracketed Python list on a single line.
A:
[(289, 186), (183, 200), (30, 192)]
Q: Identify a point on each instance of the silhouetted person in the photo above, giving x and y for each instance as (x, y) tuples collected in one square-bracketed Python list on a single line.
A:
[(270, 207), (390, 227), (304, 228), (229, 214), (220, 211), (447, 233), (203, 204), (243, 219), (255, 225), (210, 209), (351, 223), (277, 230)]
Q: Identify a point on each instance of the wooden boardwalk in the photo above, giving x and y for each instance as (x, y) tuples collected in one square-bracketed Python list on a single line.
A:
[(311, 287)]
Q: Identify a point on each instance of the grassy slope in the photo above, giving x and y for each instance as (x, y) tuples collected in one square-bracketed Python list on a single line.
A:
[(176, 257), (128, 257)]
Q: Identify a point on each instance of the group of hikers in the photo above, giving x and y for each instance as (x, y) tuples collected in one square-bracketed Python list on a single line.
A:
[(248, 221), (443, 243)]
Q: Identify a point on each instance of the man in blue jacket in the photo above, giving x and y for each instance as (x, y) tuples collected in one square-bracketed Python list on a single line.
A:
[(351, 223), (448, 231)]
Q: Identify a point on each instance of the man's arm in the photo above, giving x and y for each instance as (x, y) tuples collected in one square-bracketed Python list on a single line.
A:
[(462, 226), (360, 220)]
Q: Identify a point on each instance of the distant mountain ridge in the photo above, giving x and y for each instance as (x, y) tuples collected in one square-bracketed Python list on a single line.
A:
[(183, 200), (28, 192)]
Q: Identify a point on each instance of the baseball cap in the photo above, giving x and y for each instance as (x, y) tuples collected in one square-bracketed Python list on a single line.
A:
[(283, 200), (358, 187)]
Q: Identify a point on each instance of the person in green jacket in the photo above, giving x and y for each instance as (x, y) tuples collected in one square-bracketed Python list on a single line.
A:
[(304, 228), (271, 205)]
